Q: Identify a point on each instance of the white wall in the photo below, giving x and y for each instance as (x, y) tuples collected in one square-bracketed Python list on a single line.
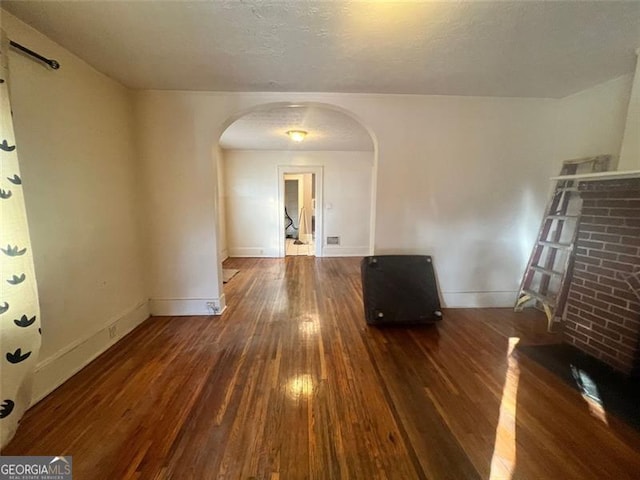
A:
[(630, 152), (462, 178), (181, 201), (592, 122), (307, 202), (74, 130), (251, 184), (223, 251)]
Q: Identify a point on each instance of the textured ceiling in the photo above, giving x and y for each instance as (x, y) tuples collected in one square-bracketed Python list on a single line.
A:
[(505, 48), (267, 130)]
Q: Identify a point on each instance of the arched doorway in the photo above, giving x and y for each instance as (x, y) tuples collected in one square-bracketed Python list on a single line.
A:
[(255, 153)]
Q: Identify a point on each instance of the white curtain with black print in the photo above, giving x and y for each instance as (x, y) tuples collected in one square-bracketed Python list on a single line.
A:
[(19, 309)]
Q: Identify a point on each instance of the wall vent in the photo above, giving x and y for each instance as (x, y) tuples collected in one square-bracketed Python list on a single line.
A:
[(333, 240)]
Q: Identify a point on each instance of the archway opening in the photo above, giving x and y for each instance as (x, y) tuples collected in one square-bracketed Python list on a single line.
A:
[(335, 214)]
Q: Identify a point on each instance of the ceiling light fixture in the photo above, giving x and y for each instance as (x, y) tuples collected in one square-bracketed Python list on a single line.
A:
[(297, 135)]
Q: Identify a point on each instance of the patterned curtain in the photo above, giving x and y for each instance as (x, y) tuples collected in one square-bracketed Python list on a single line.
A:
[(19, 309)]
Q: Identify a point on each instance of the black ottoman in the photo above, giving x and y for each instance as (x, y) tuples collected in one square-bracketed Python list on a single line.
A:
[(399, 290)]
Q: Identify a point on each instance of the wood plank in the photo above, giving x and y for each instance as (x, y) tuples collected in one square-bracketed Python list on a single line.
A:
[(291, 383)]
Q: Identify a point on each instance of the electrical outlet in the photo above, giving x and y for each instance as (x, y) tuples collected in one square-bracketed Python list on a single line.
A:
[(112, 331)]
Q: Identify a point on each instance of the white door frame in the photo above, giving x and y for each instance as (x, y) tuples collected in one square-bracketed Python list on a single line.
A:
[(298, 169)]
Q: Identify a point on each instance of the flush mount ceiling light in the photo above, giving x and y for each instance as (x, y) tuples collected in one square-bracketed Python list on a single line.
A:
[(297, 135)]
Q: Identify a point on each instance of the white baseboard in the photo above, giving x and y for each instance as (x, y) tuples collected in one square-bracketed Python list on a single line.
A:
[(252, 252), (338, 251), (224, 254), (52, 372), (187, 306), (478, 299)]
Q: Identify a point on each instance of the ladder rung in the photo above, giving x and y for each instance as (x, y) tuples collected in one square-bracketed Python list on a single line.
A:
[(562, 217), (546, 271), (541, 298), (556, 245)]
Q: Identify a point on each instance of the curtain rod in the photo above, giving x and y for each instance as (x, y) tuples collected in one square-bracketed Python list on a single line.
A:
[(52, 63)]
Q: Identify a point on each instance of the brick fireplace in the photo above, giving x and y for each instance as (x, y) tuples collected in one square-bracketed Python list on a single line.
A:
[(603, 306)]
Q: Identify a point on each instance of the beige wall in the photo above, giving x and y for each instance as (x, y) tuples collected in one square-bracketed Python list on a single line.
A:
[(74, 130), (223, 251), (630, 152), (251, 182), (464, 179), (592, 122)]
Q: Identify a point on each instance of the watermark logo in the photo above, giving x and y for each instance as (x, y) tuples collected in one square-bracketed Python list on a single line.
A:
[(36, 468)]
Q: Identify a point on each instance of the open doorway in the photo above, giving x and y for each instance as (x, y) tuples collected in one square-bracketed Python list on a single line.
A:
[(300, 201), (257, 150), (299, 214)]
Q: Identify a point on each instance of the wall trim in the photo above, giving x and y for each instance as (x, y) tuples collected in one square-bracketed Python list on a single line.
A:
[(184, 307), (250, 252), (339, 251), (479, 299), (53, 371)]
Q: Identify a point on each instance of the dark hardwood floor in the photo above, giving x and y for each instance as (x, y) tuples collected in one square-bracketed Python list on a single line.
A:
[(291, 384)]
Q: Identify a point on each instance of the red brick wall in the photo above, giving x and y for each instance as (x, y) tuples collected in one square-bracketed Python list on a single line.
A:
[(603, 307)]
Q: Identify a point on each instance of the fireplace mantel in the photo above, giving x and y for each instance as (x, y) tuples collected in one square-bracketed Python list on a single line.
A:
[(600, 176)]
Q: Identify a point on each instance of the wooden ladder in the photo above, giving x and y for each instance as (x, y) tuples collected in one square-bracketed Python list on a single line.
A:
[(545, 282)]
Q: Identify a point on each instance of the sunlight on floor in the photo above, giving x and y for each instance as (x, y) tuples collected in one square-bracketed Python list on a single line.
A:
[(310, 325), (503, 462), (300, 386), (590, 394)]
